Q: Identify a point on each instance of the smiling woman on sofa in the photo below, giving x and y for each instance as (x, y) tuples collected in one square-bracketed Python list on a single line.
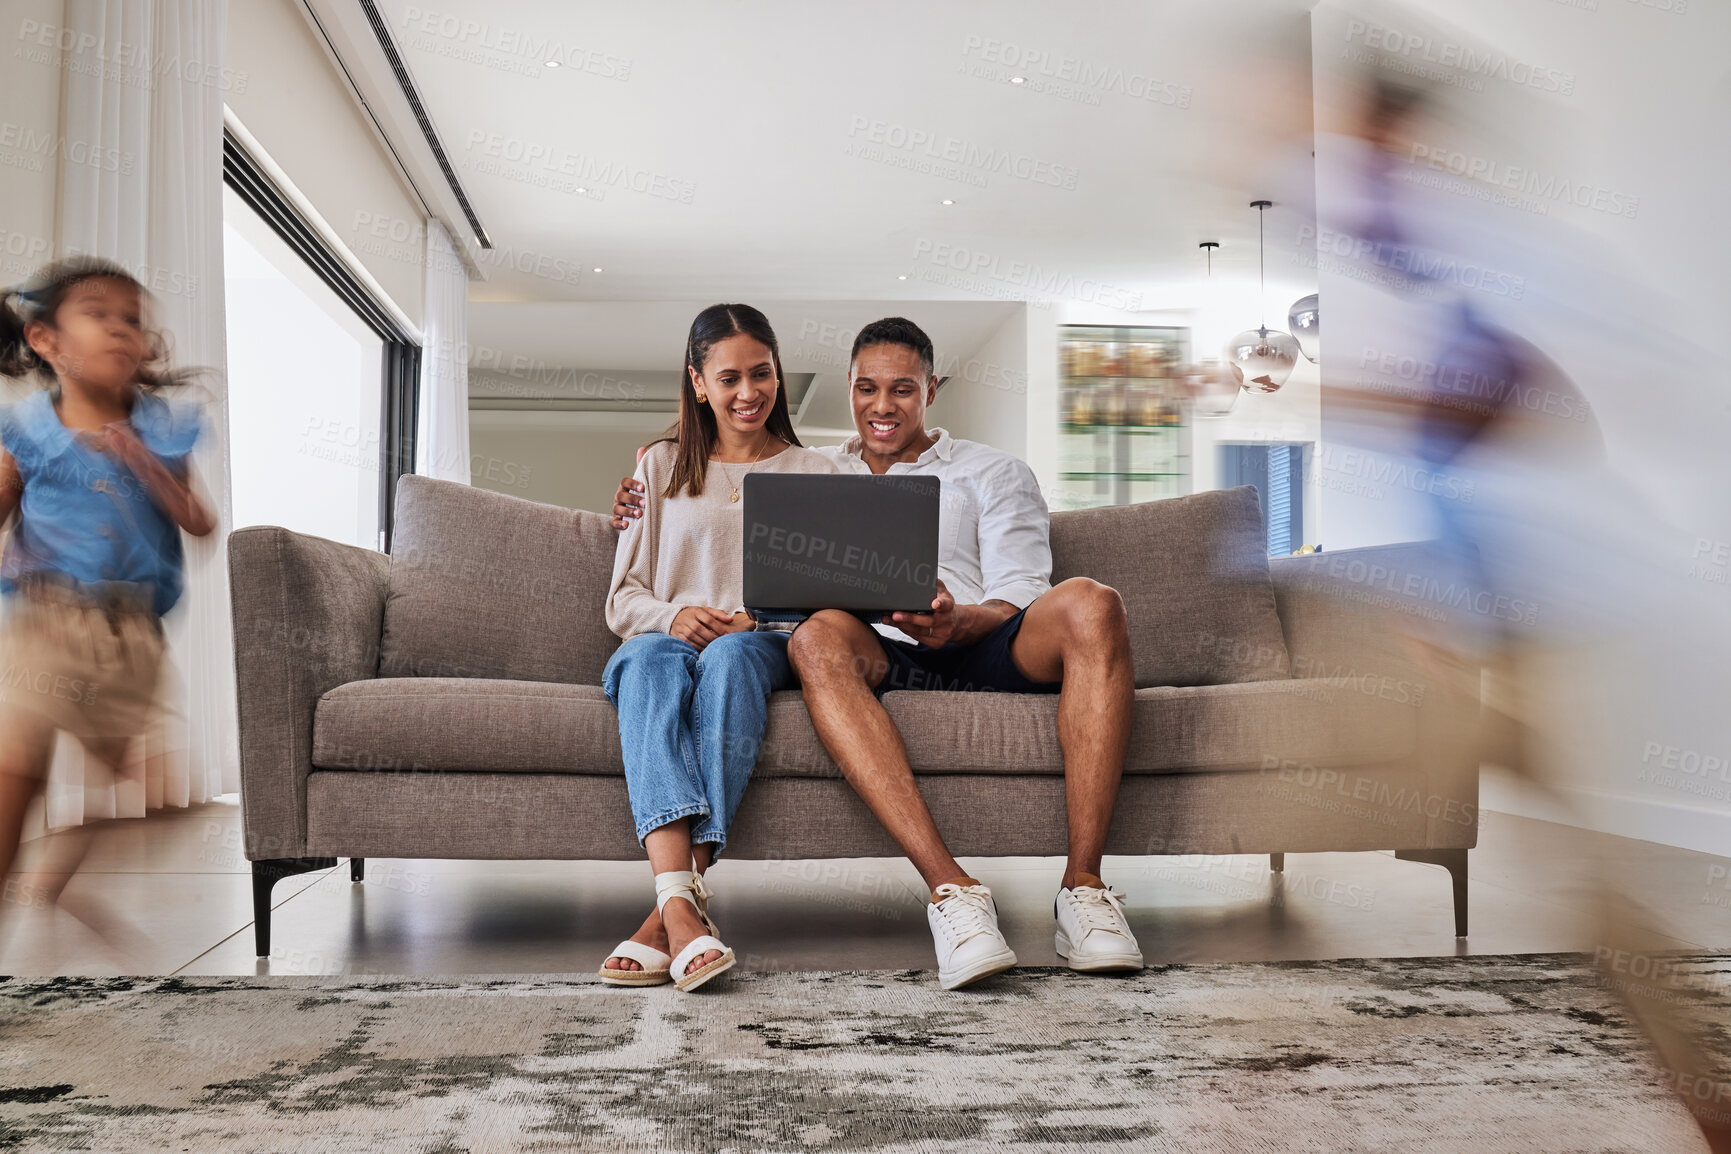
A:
[(693, 678)]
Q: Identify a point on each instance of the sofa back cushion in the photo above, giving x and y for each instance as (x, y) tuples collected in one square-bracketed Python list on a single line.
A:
[(485, 585), (1193, 572)]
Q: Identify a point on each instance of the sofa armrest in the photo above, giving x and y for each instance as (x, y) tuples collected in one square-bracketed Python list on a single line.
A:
[(1352, 609), (308, 616), (1404, 623)]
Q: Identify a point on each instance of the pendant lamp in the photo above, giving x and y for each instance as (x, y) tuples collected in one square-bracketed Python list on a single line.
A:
[(1265, 356)]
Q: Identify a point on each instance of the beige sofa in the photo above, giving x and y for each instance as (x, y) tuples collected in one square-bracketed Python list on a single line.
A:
[(445, 702)]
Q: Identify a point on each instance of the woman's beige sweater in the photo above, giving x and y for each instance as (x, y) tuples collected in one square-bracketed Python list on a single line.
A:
[(687, 550)]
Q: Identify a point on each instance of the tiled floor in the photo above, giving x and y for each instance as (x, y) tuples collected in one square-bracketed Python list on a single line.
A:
[(171, 894)]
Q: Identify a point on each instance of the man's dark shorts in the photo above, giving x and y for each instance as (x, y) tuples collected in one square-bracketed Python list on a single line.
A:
[(984, 667)]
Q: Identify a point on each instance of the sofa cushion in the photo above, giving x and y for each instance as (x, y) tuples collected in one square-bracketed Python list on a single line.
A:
[(1193, 572), (1247, 726), (406, 724), (485, 585)]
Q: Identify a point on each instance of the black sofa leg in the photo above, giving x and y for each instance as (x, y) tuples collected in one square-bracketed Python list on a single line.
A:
[(265, 875), (357, 869), (1277, 862), (1455, 861)]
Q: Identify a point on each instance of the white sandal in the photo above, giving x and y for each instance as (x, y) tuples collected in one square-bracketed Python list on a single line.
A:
[(689, 886), (657, 966)]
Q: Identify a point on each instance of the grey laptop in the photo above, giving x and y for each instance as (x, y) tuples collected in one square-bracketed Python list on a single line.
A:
[(813, 541)]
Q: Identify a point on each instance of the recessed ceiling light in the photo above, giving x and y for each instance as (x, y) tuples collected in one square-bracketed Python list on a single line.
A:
[(597, 270), (552, 64), (947, 202), (903, 276), (1018, 80), (582, 190)]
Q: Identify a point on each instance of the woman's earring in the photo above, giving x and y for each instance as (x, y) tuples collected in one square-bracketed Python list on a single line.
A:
[(701, 399)]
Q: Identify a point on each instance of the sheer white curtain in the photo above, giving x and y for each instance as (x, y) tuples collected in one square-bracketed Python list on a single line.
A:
[(442, 431), (157, 104)]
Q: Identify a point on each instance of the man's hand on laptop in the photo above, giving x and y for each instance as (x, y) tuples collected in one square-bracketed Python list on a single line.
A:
[(935, 628), (698, 626), (947, 622), (627, 502)]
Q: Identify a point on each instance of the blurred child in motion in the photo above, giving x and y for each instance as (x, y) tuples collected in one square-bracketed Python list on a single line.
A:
[(96, 466)]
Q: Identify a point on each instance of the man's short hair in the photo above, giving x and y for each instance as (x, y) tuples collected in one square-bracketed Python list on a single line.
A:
[(894, 331)]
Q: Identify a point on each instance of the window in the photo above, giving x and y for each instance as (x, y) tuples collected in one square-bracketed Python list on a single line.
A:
[(303, 391), (1277, 472), (323, 378)]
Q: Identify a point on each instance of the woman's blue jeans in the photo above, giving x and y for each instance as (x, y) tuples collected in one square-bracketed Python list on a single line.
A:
[(691, 723)]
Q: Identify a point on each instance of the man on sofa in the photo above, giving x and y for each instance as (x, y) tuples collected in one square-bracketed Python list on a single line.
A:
[(996, 624)]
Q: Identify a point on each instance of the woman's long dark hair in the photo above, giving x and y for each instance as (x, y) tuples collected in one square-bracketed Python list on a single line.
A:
[(38, 300), (694, 436)]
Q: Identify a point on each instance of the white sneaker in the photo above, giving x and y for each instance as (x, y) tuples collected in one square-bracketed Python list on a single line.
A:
[(1092, 933), (965, 929)]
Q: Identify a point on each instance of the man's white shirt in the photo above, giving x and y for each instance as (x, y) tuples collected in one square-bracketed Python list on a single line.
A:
[(993, 527)]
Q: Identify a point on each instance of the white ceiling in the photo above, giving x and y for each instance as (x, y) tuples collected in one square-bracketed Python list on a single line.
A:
[(754, 107)]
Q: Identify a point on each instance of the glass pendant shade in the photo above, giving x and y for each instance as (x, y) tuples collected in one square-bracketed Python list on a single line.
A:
[(1305, 324), (1265, 356), (1213, 388)]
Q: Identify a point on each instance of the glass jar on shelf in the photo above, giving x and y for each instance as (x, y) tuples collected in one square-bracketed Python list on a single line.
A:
[(1087, 358), (1144, 359), (1171, 413), (1114, 360), (1153, 406), (1116, 404)]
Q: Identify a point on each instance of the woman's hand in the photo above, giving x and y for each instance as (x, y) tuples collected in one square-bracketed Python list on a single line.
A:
[(698, 626)]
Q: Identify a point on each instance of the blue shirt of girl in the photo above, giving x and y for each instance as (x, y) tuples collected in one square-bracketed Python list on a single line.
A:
[(84, 515)]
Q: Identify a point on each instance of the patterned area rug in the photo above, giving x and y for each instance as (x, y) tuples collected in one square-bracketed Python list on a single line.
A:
[(1467, 1054)]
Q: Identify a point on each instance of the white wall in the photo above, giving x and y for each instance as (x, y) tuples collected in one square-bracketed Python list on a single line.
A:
[(1043, 399), (569, 459), (986, 396), (299, 108)]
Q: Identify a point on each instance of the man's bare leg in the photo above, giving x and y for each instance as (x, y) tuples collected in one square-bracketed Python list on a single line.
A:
[(839, 662), (1078, 634)]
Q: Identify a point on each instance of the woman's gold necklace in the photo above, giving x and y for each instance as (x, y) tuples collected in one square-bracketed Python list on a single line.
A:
[(767, 435)]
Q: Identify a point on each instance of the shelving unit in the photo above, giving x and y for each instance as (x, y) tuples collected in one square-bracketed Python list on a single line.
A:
[(1125, 432)]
